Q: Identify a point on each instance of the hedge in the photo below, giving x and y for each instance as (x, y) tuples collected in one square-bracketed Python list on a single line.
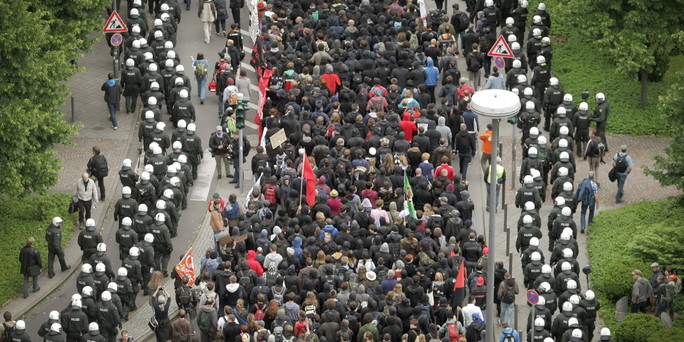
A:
[(614, 254), (638, 328), (22, 218)]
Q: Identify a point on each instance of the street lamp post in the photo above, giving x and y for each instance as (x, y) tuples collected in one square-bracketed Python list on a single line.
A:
[(496, 104)]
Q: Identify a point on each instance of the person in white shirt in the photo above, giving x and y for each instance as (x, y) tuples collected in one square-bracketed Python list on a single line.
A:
[(469, 310)]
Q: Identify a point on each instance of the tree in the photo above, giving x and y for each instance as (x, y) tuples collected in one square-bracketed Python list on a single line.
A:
[(639, 35), (37, 41), (669, 170)]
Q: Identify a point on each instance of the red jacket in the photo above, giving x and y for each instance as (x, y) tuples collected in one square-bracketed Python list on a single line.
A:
[(253, 264), (450, 171), (409, 127)]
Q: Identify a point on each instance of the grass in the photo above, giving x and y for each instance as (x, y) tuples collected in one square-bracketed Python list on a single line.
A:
[(23, 218)]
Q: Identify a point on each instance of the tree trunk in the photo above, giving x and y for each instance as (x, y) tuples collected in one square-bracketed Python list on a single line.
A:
[(643, 76)]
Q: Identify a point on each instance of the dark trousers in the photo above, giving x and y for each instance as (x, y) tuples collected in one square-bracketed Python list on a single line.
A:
[(52, 252), (26, 282), (220, 25), (639, 307), (84, 208), (101, 187), (236, 15)]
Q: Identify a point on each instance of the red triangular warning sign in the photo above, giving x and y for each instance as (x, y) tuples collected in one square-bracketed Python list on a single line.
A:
[(501, 49), (114, 24)]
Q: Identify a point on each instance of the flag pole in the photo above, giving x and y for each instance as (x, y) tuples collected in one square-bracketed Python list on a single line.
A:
[(301, 185)]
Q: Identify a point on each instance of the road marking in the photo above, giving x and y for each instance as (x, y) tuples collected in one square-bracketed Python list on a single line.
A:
[(246, 66), (205, 174)]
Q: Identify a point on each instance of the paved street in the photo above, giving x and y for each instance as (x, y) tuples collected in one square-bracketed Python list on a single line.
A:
[(91, 113)]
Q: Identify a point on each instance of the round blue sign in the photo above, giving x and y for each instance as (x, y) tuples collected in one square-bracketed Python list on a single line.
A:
[(532, 297), (116, 39), (499, 62)]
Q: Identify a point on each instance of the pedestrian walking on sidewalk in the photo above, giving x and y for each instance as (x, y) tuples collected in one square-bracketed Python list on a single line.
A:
[(623, 164), (53, 236), (98, 168), (29, 258), (112, 95), (207, 14), (201, 67), (86, 193), (221, 17), (586, 193)]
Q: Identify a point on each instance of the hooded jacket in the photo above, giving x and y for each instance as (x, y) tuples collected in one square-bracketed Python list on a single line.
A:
[(253, 264), (431, 73), (443, 129)]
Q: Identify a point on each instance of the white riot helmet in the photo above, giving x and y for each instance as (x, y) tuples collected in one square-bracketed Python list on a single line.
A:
[(571, 285), (106, 296), (605, 332), (87, 268), (529, 92), (541, 140), (567, 186), (134, 252), (589, 295), (510, 21), (20, 325), (536, 33), (161, 205), (159, 35), (545, 268), (152, 101), (541, 6), (522, 78), (541, 59), (126, 222), (171, 54), (56, 327), (175, 181), (168, 44), (517, 63), (532, 151), (112, 287), (567, 98), (574, 300), (127, 163), (182, 159), (168, 193), (535, 256), (489, 3), (576, 333), (122, 272), (136, 43), (180, 69), (553, 81), (142, 207), (565, 266), (600, 96), (153, 67), (527, 220), (563, 171), (515, 46), (130, 62), (134, 13), (567, 306), (177, 145), (100, 267), (157, 150), (90, 222), (126, 190), (149, 167), (583, 106), (179, 81), (539, 322), (535, 173), (524, 4), (545, 285), (560, 201), (566, 236), (160, 217), (546, 40), (563, 143), (87, 291), (93, 326), (160, 126), (192, 127), (567, 253), (101, 247), (164, 7), (54, 315), (149, 238), (529, 206), (564, 130), (561, 112), (534, 241), (528, 179), (183, 94), (534, 132), (181, 123), (566, 211), (56, 221)]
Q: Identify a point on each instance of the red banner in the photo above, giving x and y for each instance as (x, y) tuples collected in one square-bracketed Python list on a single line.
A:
[(263, 87), (186, 268)]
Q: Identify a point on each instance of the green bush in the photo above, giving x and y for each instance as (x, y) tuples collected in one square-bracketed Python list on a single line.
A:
[(666, 335), (23, 218), (637, 328)]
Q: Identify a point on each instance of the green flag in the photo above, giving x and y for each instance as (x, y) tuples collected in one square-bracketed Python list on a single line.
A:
[(408, 196)]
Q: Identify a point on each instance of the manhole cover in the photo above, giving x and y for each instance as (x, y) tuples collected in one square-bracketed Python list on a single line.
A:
[(98, 128)]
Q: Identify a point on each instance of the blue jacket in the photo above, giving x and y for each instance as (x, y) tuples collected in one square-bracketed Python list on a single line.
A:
[(431, 73), (508, 331)]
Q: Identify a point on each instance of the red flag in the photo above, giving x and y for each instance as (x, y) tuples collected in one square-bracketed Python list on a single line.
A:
[(263, 85), (186, 268), (460, 278), (310, 177)]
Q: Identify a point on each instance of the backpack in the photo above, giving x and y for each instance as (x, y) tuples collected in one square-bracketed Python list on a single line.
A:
[(598, 150), (473, 61), (185, 296), (271, 274), (509, 295), (463, 22), (270, 194), (508, 337), (201, 69), (259, 314), (278, 296), (204, 322), (9, 331), (621, 163), (245, 281), (452, 329)]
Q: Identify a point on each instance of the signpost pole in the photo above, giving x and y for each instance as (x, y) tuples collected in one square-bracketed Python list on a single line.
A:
[(117, 67)]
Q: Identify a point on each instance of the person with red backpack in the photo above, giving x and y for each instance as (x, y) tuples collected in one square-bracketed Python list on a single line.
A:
[(453, 329)]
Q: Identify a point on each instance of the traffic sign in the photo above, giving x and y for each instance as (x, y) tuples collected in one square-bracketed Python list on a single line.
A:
[(501, 49), (499, 62), (116, 39), (114, 24), (532, 297)]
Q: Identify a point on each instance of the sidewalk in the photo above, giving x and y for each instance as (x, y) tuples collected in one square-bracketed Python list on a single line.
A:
[(91, 112)]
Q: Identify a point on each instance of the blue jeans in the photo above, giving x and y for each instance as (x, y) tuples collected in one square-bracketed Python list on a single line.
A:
[(583, 215), (26, 282), (498, 189), (112, 114), (236, 167), (622, 177), (219, 95), (202, 87), (463, 161), (507, 313)]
